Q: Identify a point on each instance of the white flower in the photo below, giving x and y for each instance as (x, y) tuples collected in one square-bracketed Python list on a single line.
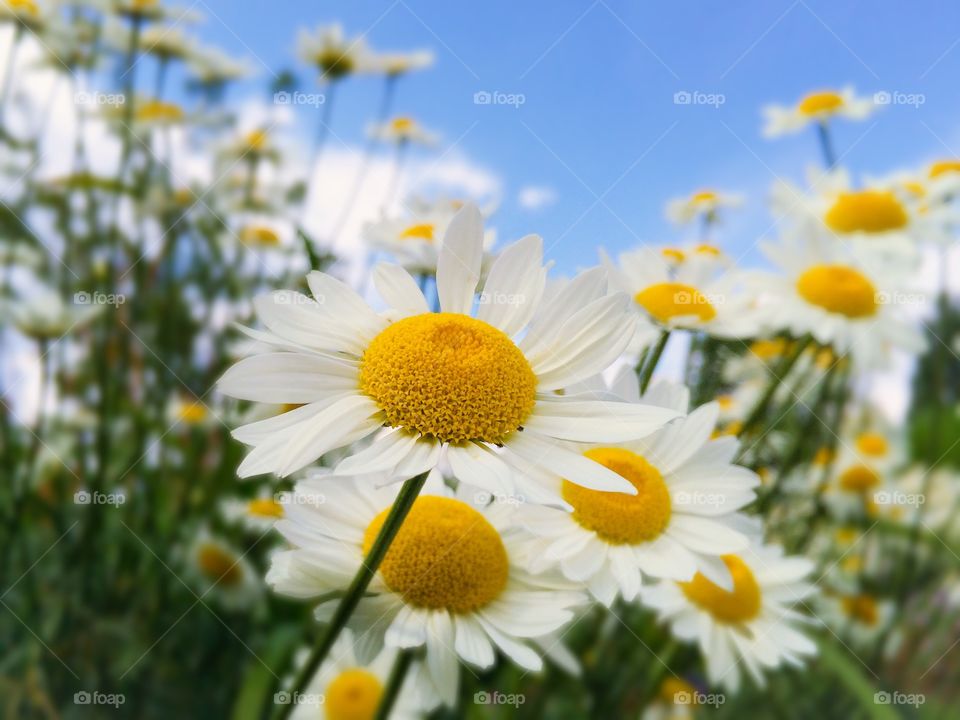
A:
[(450, 581), (816, 107), (217, 570), (442, 382), (346, 687), (335, 55), (693, 291), (257, 514), (681, 520), (396, 64), (402, 130), (701, 204), (853, 302), (752, 626)]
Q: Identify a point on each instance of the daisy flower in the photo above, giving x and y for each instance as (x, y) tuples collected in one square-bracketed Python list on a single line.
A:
[(703, 204), (753, 625), (397, 64), (218, 570), (414, 240), (860, 617), (681, 520), (852, 303), (442, 383), (333, 54), (817, 107), (697, 293), (402, 130), (345, 688), (26, 13), (257, 514), (450, 581)]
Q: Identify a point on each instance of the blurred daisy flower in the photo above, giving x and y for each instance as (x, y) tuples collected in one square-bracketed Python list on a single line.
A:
[(358, 371), (681, 520), (450, 581), (346, 688), (397, 64), (257, 514), (817, 107), (45, 315), (333, 54), (218, 570), (703, 205), (753, 625), (26, 13), (852, 303), (402, 130)]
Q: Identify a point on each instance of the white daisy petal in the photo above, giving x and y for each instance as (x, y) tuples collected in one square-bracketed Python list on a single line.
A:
[(458, 268)]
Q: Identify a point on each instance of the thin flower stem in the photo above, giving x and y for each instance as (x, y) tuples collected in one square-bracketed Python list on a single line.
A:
[(645, 373), (826, 145), (358, 586), (394, 683), (779, 375)]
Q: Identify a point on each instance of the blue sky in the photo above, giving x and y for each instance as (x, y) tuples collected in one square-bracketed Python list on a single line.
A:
[(599, 79)]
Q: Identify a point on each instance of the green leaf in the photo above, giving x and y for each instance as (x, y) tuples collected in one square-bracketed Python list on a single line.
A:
[(850, 672)]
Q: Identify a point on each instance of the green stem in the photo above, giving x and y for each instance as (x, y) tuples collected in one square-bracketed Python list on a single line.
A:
[(645, 373), (358, 586), (394, 683), (781, 372)]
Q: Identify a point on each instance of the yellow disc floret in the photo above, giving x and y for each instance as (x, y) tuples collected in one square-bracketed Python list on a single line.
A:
[(868, 211), (838, 289), (617, 518), (704, 196), (826, 102), (862, 608), (219, 565), (449, 376), (872, 444), (354, 694), (671, 299), (859, 479), (942, 167), (734, 606), (421, 231), (446, 555), (265, 508)]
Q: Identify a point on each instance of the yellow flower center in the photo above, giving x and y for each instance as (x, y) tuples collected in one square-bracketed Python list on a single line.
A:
[(402, 124), (192, 413), (704, 196), (673, 254), (417, 370), (159, 111), (872, 444), (821, 103), (838, 289), (671, 299), (916, 188), (725, 401), (823, 456), (445, 556), (422, 231), (265, 508), (671, 687), (705, 249), (944, 166), (734, 606), (24, 6), (846, 536), (617, 518), (768, 349), (259, 235), (354, 694), (257, 140), (859, 479), (334, 62), (868, 211), (862, 608), (219, 565)]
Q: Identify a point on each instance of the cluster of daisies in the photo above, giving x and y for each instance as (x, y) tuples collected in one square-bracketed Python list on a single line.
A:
[(544, 468)]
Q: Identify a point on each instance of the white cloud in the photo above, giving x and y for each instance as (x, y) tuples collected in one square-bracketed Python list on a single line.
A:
[(536, 197)]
